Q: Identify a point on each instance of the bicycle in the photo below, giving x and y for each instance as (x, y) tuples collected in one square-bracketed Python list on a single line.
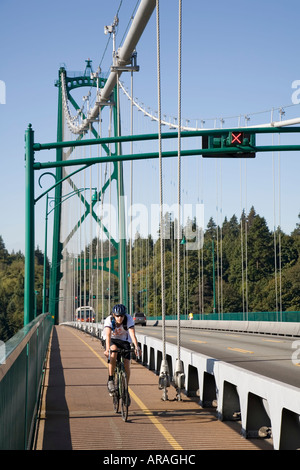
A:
[(121, 385)]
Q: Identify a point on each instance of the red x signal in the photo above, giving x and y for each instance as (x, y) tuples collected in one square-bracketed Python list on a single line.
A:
[(237, 137)]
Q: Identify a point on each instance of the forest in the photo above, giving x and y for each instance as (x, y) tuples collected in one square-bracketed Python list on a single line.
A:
[(242, 266), (12, 289)]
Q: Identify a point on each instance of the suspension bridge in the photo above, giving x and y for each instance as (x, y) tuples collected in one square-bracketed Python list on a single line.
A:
[(128, 227)]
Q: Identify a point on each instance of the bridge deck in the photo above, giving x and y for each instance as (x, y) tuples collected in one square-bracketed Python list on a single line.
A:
[(77, 413)]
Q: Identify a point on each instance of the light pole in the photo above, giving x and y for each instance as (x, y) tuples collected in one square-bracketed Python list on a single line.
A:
[(29, 301), (67, 196)]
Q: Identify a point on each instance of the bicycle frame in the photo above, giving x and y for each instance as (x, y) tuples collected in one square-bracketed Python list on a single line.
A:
[(121, 384)]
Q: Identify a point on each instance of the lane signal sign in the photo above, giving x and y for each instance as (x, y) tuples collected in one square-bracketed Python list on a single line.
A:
[(237, 138), (228, 140)]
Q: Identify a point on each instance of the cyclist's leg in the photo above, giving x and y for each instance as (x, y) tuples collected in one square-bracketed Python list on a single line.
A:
[(111, 368), (113, 359), (127, 368)]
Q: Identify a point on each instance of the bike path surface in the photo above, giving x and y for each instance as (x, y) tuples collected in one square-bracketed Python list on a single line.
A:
[(77, 412)]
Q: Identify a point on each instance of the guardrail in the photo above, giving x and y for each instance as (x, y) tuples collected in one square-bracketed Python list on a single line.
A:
[(265, 407), (21, 374)]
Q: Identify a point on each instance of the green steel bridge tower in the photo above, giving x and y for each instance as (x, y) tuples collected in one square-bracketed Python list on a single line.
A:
[(117, 175)]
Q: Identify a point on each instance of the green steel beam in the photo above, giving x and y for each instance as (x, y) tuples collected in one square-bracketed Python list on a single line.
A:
[(114, 175), (100, 264), (165, 135), (173, 153)]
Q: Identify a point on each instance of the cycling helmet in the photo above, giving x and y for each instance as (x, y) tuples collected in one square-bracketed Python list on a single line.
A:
[(119, 310)]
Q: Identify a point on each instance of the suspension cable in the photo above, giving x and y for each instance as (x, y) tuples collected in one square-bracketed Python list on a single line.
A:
[(164, 373), (246, 247), (131, 202), (179, 181), (160, 173), (179, 376), (274, 233)]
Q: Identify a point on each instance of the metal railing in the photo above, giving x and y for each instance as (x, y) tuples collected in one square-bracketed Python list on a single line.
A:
[(22, 364)]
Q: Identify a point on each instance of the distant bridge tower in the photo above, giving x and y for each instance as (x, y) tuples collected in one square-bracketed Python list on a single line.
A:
[(66, 83)]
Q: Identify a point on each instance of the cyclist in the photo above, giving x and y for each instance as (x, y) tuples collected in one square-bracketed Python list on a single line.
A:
[(119, 332)]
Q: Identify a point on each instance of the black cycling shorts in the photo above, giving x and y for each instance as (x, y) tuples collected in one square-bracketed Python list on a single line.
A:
[(122, 345)]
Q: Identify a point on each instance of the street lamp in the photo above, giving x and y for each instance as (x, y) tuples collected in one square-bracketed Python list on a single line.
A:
[(95, 197)]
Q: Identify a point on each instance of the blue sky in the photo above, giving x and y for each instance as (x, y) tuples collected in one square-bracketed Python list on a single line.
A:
[(238, 58)]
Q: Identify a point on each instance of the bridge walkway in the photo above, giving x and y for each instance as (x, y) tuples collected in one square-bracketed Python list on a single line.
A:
[(76, 411)]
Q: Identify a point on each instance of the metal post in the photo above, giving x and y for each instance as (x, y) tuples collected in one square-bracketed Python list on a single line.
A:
[(29, 227), (45, 258), (56, 247)]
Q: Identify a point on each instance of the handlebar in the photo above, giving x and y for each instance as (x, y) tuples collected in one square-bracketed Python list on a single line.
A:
[(122, 351)]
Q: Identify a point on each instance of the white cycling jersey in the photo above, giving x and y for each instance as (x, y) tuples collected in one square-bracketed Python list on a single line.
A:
[(118, 332)]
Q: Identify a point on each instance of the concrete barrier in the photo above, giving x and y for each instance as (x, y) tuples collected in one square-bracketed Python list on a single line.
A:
[(258, 327), (264, 406)]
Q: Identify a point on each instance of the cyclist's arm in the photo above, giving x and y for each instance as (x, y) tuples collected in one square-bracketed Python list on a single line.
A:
[(107, 340), (134, 340)]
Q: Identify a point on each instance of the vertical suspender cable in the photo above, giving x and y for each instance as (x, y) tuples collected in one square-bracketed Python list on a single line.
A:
[(279, 241), (101, 233), (274, 234), (91, 254), (217, 241), (221, 244), (109, 244), (164, 380), (131, 200), (83, 244), (242, 242), (279, 232), (120, 257), (179, 376), (179, 183), (246, 246)]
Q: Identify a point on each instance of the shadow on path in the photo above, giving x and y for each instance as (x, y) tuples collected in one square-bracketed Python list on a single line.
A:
[(57, 428)]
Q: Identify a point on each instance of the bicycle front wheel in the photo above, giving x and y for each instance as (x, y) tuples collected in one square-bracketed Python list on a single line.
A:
[(124, 396)]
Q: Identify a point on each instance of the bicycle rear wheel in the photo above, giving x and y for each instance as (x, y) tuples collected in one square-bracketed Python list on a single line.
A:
[(124, 396), (116, 395)]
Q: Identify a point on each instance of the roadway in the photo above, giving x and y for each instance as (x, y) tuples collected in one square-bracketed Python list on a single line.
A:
[(267, 355)]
